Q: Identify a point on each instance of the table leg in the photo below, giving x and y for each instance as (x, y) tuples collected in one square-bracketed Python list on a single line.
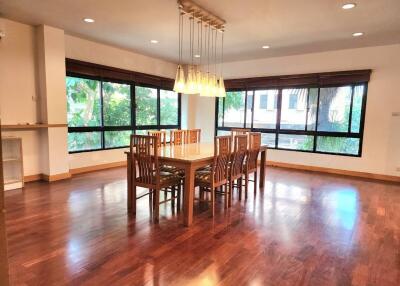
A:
[(189, 195), (262, 168), (129, 189)]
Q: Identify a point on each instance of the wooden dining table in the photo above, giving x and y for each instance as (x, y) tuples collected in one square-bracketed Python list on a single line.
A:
[(188, 157)]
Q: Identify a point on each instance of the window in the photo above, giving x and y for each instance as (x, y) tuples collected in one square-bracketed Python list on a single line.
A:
[(293, 101), (234, 109), (265, 118), (169, 102), (101, 114), (263, 101), (322, 119)]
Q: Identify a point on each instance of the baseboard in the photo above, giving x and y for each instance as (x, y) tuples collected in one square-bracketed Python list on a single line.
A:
[(97, 167), (32, 178), (57, 177), (52, 178), (47, 178), (379, 177)]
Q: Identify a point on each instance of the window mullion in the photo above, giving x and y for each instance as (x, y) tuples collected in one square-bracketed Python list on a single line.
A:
[(158, 109), (316, 121), (133, 108), (351, 108), (307, 108), (102, 115), (278, 117)]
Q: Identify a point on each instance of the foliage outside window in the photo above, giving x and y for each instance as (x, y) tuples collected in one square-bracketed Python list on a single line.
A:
[(102, 114), (326, 119)]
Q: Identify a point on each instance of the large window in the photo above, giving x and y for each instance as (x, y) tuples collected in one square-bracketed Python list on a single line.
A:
[(321, 118), (102, 113)]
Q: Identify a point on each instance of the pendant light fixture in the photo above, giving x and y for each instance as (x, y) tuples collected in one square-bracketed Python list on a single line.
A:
[(180, 83), (203, 77)]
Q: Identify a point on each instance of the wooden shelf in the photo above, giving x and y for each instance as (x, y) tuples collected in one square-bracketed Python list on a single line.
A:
[(30, 126), (11, 159), (12, 181)]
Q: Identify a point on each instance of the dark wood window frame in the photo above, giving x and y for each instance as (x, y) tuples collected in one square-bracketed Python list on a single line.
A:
[(315, 80), (80, 69)]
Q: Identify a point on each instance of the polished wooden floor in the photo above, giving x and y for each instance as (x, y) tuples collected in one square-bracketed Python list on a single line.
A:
[(303, 229)]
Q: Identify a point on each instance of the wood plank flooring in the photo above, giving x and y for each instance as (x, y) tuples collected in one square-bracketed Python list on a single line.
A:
[(303, 229)]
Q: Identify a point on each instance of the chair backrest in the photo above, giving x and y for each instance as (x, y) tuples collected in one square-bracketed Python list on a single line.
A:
[(144, 156), (222, 154), (161, 135), (238, 155), (193, 136), (177, 137), (254, 150), (239, 131)]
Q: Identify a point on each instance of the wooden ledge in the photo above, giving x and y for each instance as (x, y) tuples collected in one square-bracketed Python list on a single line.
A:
[(30, 126)]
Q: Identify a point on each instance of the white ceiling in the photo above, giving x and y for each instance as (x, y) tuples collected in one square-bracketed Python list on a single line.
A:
[(288, 26)]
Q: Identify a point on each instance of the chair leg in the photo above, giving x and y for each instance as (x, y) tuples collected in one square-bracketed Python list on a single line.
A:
[(173, 196), (246, 185), (178, 204), (212, 202), (225, 195), (134, 199), (255, 182), (151, 199), (230, 193), (240, 187), (156, 205)]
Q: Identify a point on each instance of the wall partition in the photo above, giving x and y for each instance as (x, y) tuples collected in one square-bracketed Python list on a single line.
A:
[(106, 105), (319, 113)]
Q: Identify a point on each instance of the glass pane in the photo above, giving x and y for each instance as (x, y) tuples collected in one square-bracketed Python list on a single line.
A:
[(223, 133), (146, 105), (80, 141), (312, 108), (83, 102), (168, 107), (334, 109), (220, 111), (296, 142), (341, 145), (117, 138), (294, 108), (249, 105), (265, 108), (234, 109), (116, 104), (357, 106), (268, 139), (141, 132)]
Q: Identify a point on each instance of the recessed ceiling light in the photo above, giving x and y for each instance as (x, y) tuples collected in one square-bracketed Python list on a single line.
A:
[(348, 6), (265, 47), (358, 34), (154, 41), (88, 20), (197, 56)]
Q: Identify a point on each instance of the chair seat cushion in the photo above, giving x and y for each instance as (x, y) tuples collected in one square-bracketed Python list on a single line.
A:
[(166, 178), (172, 170), (203, 176)]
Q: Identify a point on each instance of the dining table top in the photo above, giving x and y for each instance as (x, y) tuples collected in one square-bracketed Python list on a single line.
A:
[(189, 152)]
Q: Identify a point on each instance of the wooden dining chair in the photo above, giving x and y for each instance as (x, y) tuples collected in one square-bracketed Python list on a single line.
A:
[(236, 169), (193, 136), (211, 180), (177, 137), (251, 162), (161, 135), (147, 174)]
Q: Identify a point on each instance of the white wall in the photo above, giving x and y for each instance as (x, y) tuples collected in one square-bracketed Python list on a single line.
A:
[(19, 89), (381, 134)]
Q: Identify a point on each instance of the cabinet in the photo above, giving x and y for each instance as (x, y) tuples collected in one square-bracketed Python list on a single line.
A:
[(13, 169)]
